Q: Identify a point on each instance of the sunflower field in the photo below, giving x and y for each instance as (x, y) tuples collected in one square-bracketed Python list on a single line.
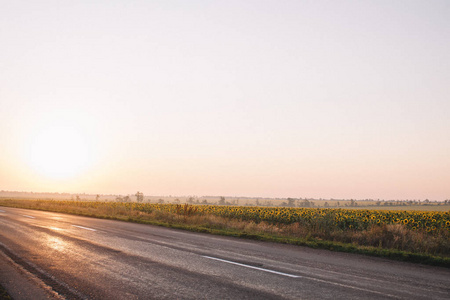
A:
[(344, 219), (337, 218)]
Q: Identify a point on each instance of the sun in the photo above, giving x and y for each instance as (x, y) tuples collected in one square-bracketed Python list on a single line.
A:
[(59, 151)]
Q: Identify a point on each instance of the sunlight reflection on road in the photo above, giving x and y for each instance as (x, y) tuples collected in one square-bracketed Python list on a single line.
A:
[(55, 228), (56, 243)]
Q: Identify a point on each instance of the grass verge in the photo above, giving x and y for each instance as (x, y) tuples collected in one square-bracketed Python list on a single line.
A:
[(4, 295), (189, 219)]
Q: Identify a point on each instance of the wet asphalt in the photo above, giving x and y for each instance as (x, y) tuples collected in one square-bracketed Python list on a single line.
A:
[(71, 257)]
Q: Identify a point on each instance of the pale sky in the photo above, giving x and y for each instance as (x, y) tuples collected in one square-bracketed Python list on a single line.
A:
[(324, 99)]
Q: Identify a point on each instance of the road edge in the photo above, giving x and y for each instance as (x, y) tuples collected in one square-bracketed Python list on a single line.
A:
[(22, 284)]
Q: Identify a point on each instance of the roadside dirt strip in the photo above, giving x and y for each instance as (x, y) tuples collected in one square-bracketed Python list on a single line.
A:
[(20, 283)]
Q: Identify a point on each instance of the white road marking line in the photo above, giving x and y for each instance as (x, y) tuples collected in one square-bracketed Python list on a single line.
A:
[(31, 217), (2, 210), (82, 227), (350, 287), (305, 277), (252, 267)]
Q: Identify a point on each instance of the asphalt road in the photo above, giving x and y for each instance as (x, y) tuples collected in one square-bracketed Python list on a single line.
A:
[(47, 255)]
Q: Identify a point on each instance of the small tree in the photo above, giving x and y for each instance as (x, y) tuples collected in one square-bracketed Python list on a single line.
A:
[(306, 203), (290, 202), (139, 196)]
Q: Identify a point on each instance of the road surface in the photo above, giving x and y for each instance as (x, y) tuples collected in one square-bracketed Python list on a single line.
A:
[(46, 255)]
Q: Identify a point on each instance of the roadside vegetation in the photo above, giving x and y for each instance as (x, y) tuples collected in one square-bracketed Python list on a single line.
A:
[(4, 295), (417, 236)]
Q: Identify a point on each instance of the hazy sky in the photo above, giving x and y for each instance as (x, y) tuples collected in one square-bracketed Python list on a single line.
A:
[(331, 99)]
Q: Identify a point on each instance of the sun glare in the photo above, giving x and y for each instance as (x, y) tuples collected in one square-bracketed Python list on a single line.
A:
[(59, 152)]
